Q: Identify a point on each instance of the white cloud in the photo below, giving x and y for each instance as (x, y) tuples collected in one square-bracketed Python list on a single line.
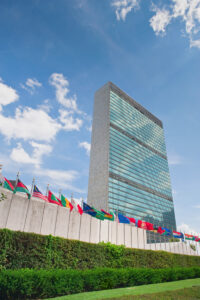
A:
[(185, 228), (29, 123), (69, 122), (86, 146), (195, 43), (61, 85), (46, 106), (123, 7), (19, 155), (197, 206), (189, 13), (7, 94), (174, 159), (160, 20), (59, 178), (31, 84)]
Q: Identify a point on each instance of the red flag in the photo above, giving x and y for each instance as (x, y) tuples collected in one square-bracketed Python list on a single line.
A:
[(160, 230), (79, 209), (53, 199), (142, 224), (149, 226), (132, 220)]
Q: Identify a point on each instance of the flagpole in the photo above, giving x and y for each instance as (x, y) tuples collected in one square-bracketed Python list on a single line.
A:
[(32, 187), (60, 191), (143, 239), (47, 191), (17, 178)]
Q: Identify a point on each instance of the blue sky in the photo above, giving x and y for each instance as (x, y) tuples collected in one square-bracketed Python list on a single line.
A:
[(55, 54)]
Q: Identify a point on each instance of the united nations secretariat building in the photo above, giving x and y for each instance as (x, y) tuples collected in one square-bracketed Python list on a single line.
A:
[(129, 170)]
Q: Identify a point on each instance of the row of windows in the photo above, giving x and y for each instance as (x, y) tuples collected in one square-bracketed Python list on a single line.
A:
[(138, 205), (132, 113), (126, 143), (123, 147), (117, 103), (134, 178), (158, 221), (132, 164), (137, 123), (124, 193), (158, 179), (153, 140), (115, 184)]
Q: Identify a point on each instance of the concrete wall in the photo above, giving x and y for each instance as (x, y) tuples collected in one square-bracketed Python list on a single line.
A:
[(17, 212)]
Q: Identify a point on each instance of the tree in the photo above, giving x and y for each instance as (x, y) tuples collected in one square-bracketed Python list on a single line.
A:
[(2, 197)]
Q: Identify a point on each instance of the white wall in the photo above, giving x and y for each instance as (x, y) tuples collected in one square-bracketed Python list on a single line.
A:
[(17, 212)]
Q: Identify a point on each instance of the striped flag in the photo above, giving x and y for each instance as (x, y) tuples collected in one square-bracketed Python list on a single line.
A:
[(178, 235), (38, 194)]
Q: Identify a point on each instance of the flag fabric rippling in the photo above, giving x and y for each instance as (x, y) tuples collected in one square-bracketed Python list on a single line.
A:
[(38, 194), (66, 203)]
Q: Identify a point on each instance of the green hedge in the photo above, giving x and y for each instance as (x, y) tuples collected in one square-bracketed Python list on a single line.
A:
[(26, 250), (32, 284)]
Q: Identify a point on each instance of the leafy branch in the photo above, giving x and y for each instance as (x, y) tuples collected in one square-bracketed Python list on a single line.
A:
[(2, 197)]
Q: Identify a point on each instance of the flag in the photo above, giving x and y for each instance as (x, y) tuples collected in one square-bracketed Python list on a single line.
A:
[(8, 185), (79, 209), (167, 232), (22, 188), (38, 194), (53, 199), (149, 226), (88, 210), (189, 237), (66, 203), (178, 235), (132, 220), (141, 224), (99, 214), (123, 219), (197, 239), (160, 230), (108, 216)]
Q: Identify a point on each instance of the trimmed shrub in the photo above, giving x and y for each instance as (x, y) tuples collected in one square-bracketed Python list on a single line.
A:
[(27, 250), (32, 284)]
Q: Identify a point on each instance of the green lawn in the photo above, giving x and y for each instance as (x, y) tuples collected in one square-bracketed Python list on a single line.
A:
[(192, 293), (137, 290)]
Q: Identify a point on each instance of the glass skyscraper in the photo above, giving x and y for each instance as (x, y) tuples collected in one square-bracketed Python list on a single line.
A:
[(129, 170)]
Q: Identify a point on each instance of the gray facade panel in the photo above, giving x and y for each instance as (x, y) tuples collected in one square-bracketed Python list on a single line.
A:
[(98, 174)]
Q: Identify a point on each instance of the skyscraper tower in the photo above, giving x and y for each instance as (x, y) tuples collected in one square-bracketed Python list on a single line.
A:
[(129, 170)]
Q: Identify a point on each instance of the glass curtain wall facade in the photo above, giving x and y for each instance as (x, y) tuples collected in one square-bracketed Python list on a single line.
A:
[(129, 170), (139, 180)]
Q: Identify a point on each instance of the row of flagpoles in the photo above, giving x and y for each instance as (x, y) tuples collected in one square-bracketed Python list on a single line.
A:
[(85, 208)]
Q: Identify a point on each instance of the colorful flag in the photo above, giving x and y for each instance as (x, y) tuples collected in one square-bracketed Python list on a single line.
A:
[(79, 209), (8, 185), (22, 188), (38, 194), (123, 219), (189, 237), (66, 203), (99, 214), (141, 224), (132, 220), (53, 199), (149, 226), (160, 230), (89, 210), (108, 216), (178, 235), (197, 239)]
